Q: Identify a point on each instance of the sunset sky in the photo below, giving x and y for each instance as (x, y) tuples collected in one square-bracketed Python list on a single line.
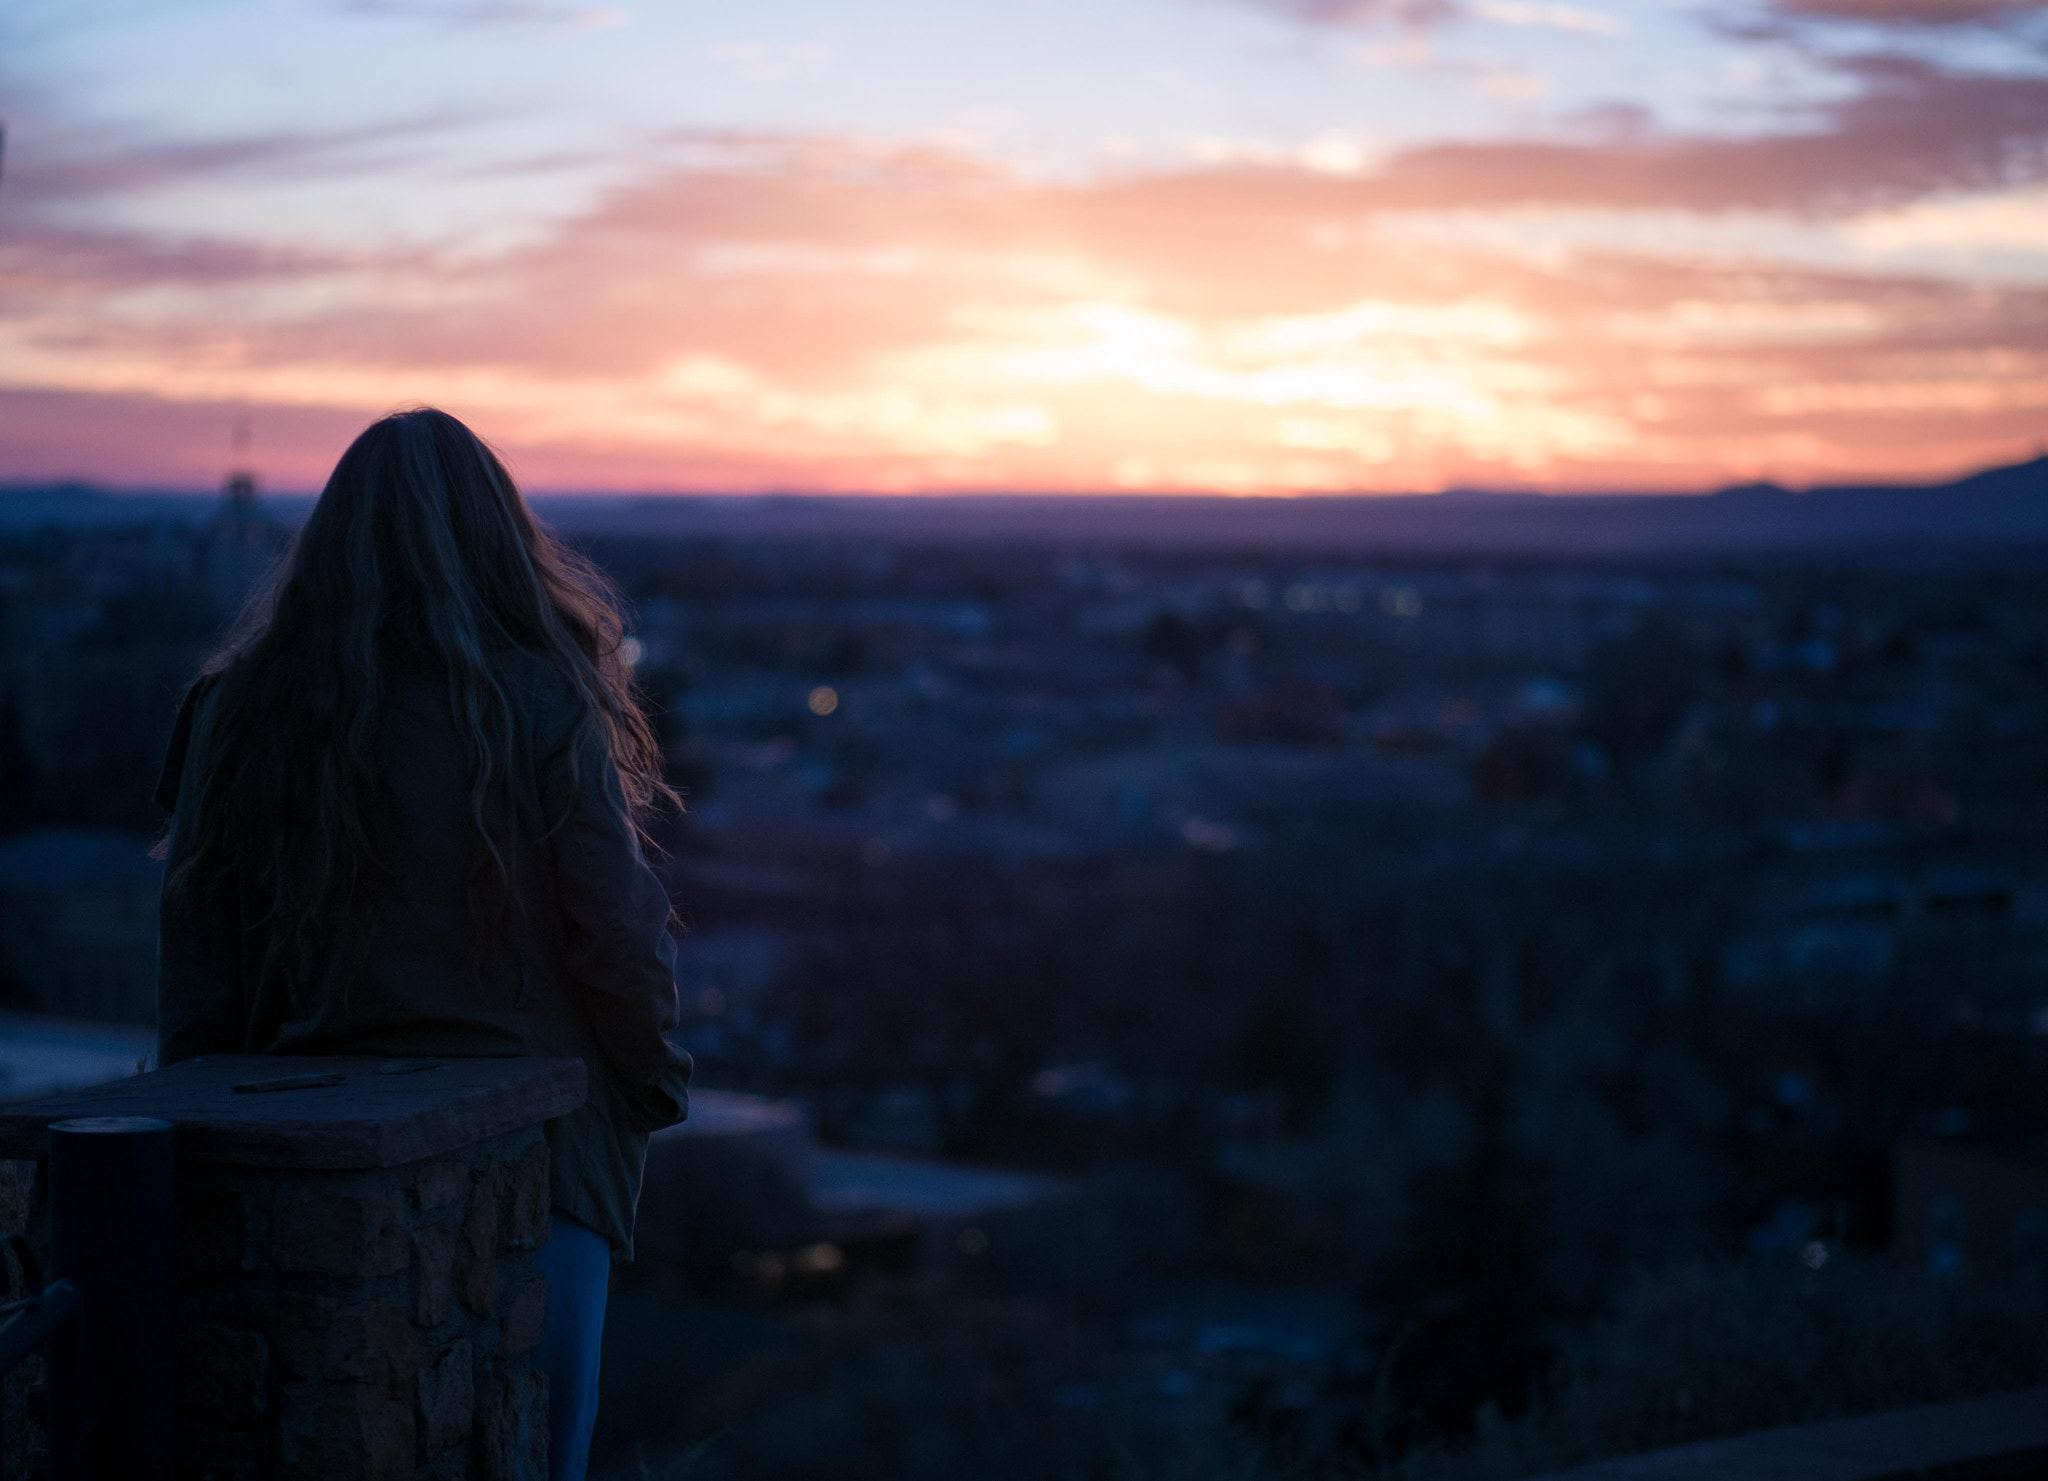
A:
[(1245, 246)]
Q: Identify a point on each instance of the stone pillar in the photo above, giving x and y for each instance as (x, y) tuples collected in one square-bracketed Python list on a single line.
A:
[(357, 1293)]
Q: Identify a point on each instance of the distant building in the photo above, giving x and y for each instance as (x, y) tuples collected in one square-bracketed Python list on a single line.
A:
[(1858, 920), (1295, 712), (78, 924), (1973, 1202), (740, 1191), (241, 542)]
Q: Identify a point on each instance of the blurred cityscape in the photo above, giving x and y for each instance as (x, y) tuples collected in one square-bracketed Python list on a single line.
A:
[(1193, 1006)]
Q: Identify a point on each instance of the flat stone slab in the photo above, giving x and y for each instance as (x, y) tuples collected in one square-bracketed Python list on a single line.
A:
[(381, 1112), (2002, 1436)]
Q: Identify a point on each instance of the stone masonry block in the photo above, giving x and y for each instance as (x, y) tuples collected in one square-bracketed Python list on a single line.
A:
[(356, 1433), (526, 1312), (356, 1297), (511, 1424), (439, 1185), (447, 1400), (214, 1231), (373, 1343), (476, 1251), (529, 1203), (18, 1181), (362, 1233), (24, 1419), (224, 1374), (433, 1273), (303, 1323)]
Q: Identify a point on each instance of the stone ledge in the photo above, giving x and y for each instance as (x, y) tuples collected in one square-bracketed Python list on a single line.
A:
[(2000, 1438), (370, 1120)]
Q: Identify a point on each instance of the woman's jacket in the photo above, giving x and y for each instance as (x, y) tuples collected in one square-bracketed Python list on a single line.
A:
[(579, 962)]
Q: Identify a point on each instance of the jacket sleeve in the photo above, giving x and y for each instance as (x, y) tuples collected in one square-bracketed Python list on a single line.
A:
[(200, 1007), (620, 956)]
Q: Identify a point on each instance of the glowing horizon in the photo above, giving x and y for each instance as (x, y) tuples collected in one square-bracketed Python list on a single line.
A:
[(1230, 246)]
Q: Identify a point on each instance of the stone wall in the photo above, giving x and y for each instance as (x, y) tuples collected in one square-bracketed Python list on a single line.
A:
[(24, 1446), (365, 1326), (342, 1323)]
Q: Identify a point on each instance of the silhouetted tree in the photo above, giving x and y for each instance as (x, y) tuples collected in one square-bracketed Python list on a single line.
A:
[(20, 784), (1278, 1050), (1637, 690), (1171, 638), (1463, 1299)]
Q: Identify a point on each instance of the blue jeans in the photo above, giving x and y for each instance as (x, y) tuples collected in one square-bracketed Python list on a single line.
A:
[(577, 1261)]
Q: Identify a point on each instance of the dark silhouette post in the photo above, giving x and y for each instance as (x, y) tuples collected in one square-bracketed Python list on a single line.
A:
[(112, 1406)]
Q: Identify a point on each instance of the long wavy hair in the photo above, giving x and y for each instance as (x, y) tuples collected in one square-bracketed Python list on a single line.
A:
[(420, 559)]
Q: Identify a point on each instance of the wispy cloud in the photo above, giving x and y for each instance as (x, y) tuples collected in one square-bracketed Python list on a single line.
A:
[(1553, 17), (1910, 129), (1365, 13), (757, 61), (106, 166), (1420, 14), (1917, 13), (494, 12)]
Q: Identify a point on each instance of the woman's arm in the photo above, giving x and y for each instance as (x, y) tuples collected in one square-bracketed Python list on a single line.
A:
[(615, 914)]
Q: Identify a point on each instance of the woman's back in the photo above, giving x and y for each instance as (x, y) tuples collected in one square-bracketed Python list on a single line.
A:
[(403, 811), (577, 962), (406, 802)]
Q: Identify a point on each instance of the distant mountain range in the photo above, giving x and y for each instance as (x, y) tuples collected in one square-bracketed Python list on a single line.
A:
[(2000, 508)]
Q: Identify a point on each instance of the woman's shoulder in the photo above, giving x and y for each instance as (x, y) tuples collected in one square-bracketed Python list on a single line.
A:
[(547, 695), (180, 746)]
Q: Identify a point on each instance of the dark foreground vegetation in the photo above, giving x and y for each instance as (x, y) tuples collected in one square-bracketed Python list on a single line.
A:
[(976, 1384)]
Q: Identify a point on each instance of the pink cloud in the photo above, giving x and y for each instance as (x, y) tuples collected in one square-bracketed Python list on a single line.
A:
[(1366, 12), (142, 441), (823, 313), (1914, 12), (1913, 129), (74, 169)]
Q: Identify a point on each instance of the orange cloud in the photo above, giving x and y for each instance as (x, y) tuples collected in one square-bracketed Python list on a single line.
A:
[(824, 313)]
